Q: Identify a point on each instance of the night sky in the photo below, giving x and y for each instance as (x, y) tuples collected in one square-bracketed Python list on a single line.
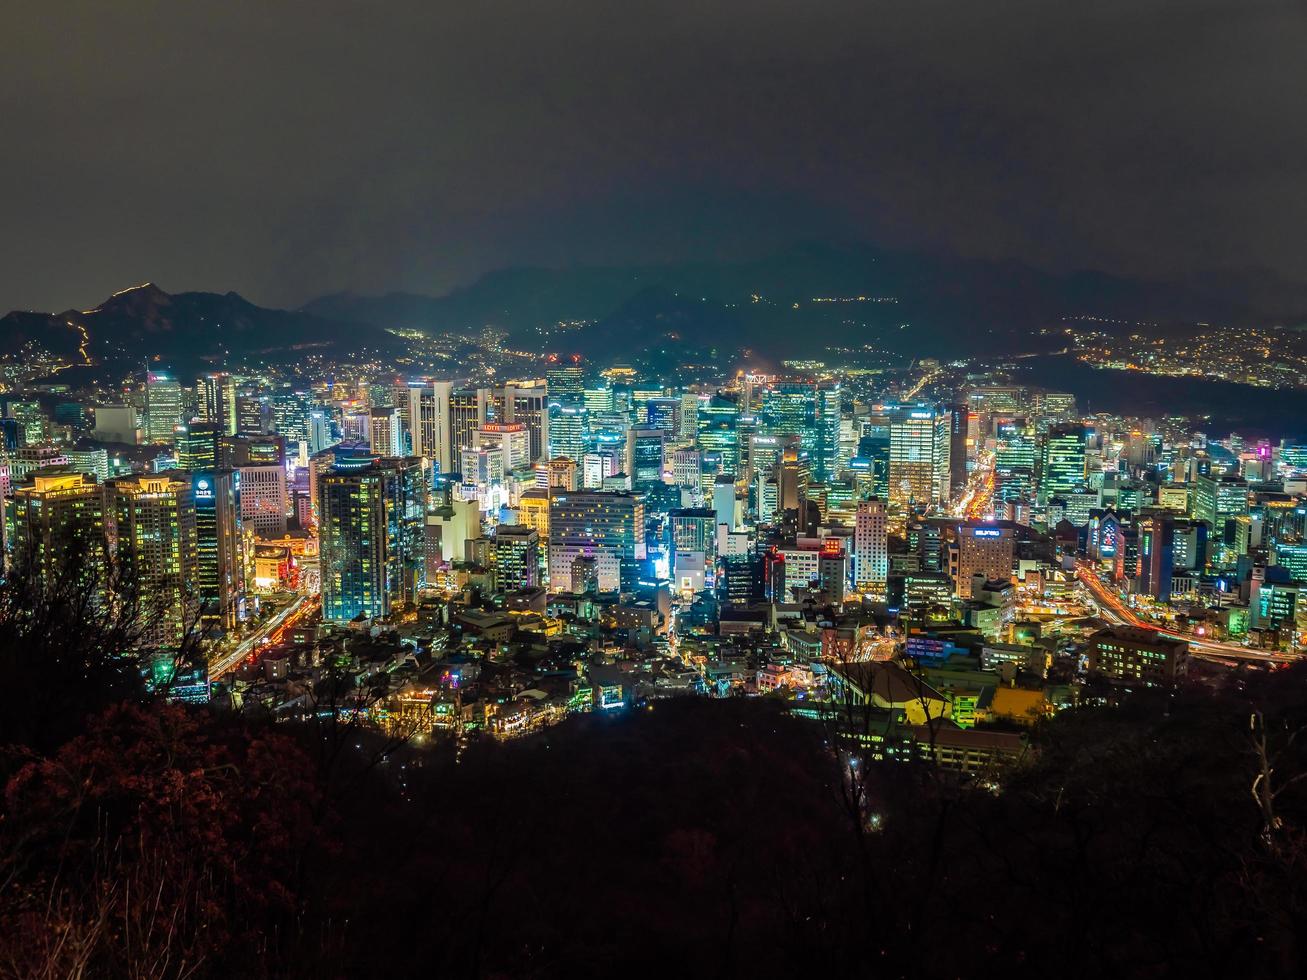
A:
[(288, 149)]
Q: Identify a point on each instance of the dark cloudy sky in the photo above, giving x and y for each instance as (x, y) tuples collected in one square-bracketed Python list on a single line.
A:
[(285, 149)]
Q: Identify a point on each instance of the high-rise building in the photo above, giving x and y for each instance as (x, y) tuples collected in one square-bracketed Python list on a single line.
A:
[(870, 545), (605, 526), (260, 462), (565, 380), (981, 549), (163, 406), (253, 413), (1218, 498), (372, 525), (217, 401), (385, 436), (220, 576), (568, 429), (511, 439), (717, 419), (469, 409), (918, 456), (197, 445), (515, 556), (150, 524), (1063, 466), (54, 518), (526, 403), (430, 420), (646, 456)]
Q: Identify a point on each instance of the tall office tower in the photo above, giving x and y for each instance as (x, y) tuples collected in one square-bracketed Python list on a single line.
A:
[(197, 445), (568, 429), (918, 464), (765, 454), (220, 569), (561, 474), (525, 403), (1218, 498), (874, 446), (55, 518), (261, 463), (795, 476), (371, 551), (607, 527), (482, 467), (663, 413), (789, 409), (290, 415), (150, 524), (565, 380), (469, 409), (33, 426), (717, 432), (515, 558), (958, 418), (598, 399), (1052, 408), (870, 545), (163, 406), (253, 413), (687, 431), (1014, 463), (693, 529), (1156, 554), (216, 394), (827, 409), (511, 439), (981, 549), (646, 451), (322, 433), (726, 505), (355, 425), (429, 423), (1063, 461), (687, 468), (385, 437)]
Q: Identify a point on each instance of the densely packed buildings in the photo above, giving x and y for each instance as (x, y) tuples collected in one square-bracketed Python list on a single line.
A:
[(958, 551)]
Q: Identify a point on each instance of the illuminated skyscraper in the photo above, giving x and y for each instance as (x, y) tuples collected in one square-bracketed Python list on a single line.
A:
[(430, 423), (918, 456), (1063, 461), (870, 545), (568, 429), (54, 517), (217, 401), (515, 556), (220, 577), (150, 523), (372, 523), (605, 526), (646, 457), (163, 407)]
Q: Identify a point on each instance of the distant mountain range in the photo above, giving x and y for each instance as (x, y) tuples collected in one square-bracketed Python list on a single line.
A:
[(796, 302), (186, 331), (792, 304)]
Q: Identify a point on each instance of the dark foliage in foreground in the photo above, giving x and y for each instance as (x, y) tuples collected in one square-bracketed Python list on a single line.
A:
[(701, 838)]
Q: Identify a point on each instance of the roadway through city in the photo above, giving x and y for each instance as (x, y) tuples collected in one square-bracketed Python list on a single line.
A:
[(272, 631), (1117, 612)]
